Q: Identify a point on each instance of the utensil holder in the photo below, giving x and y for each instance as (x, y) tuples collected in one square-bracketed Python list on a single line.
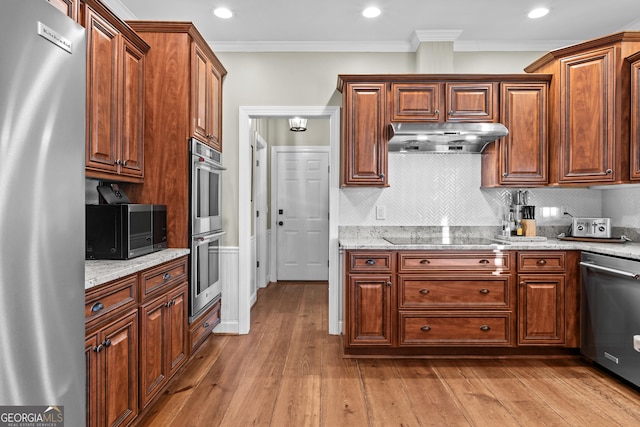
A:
[(529, 227)]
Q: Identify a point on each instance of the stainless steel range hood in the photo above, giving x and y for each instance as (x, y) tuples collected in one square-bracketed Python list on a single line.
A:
[(448, 137)]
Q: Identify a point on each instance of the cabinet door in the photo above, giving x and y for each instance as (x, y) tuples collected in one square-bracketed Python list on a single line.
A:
[(587, 118), (523, 153), (132, 139), (541, 309), (214, 110), (119, 372), (92, 386), (416, 102), (102, 94), (153, 364), (177, 329), (68, 7), (364, 143), (199, 91), (472, 102), (369, 307), (635, 121)]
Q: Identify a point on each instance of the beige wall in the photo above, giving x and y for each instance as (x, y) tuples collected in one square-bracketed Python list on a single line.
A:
[(309, 79)]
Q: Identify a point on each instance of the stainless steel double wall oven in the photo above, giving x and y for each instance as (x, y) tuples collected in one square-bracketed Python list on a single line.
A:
[(206, 227)]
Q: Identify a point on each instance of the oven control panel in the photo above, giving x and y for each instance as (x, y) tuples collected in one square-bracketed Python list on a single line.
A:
[(591, 227)]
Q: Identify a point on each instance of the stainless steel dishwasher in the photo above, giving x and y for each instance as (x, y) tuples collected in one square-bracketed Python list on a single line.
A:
[(610, 314)]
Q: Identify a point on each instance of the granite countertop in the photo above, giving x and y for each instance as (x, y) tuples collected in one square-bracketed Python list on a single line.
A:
[(626, 250), (97, 272)]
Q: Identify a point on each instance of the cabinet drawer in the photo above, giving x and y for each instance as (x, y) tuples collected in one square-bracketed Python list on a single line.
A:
[(416, 291), (446, 329), (201, 328), (414, 262), (166, 274), (110, 299), (541, 261), (369, 261)]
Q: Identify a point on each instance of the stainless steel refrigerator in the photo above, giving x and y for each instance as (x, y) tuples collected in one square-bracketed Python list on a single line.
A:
[(42, 140)]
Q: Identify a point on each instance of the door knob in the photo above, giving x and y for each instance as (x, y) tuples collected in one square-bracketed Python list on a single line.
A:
[(280, 223)]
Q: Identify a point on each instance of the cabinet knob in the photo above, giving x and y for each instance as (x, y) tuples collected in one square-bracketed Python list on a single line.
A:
[(106, 343), (608, 171), (370, 261), (389, 284), (523, 283), (425, 328), (484, 291), (485, 328), (436, 112), (123, 163), (504, 174), (98, 349), (451, 112), (166, 276), (541, 262), (424, 291), (206, 325), (97, 306), (381, 176), (118, 162)]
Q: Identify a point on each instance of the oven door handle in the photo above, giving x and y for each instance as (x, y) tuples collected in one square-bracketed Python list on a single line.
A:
[(610, 270), (208, 237), (203, 160)]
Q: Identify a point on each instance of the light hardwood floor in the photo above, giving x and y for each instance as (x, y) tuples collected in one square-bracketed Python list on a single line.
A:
[(289, 372)]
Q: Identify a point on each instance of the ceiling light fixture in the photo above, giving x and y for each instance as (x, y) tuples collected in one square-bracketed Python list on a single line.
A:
[(297, 124), (223, 12), (371, 12), (538, 13)]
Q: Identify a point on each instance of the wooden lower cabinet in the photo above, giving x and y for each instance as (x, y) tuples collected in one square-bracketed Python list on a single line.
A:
[(112, 371), (163, 333), (136, 339), (370, 310), (416, 302), (201, 328)]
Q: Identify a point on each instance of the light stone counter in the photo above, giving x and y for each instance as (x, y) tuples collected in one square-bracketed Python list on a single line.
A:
[(97, 272), (626, 250)]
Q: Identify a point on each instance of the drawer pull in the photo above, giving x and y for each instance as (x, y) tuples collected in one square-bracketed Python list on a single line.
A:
[(485, 328), (424, 291), (166, 276), (541, 262), (484, 291), (97, 306), (106, 343), (98, 349), (370, 261), (206, 325), (425, 328), (484, 261), (425, 261)]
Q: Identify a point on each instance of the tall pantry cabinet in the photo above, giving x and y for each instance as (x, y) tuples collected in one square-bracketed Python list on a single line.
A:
[(183, 93)]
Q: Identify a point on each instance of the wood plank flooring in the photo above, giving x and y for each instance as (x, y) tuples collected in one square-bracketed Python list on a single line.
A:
[(289, 372)]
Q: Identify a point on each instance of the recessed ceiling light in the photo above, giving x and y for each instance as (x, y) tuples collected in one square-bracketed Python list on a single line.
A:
[(223, 12), (538, 13), (371, 12)]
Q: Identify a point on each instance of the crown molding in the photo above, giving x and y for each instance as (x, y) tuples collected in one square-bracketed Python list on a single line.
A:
[(510, 46), (311, 46)]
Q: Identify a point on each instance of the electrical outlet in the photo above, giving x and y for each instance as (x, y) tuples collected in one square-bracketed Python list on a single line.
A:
[(381, 212)]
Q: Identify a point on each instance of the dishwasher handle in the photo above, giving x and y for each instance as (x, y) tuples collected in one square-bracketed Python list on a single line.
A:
[(610, 270)]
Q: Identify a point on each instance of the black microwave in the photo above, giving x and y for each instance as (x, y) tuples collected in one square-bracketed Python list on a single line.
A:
[(124, 231)]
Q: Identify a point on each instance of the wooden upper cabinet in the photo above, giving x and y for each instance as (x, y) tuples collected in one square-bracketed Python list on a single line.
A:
[(520, 158), (440, 102), (472, 102), (417, 101), (587, 145), (364, 141), (207, 99), (589, 110), (635, 117), (68, 7), (115, 97)]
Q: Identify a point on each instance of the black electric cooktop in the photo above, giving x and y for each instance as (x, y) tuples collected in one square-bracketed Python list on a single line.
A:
[(442, 240)]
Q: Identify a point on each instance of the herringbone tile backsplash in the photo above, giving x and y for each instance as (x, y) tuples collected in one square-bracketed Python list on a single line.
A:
[(444, 189)]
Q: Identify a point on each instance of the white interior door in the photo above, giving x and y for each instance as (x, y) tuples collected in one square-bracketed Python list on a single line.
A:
[(302, 215)]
